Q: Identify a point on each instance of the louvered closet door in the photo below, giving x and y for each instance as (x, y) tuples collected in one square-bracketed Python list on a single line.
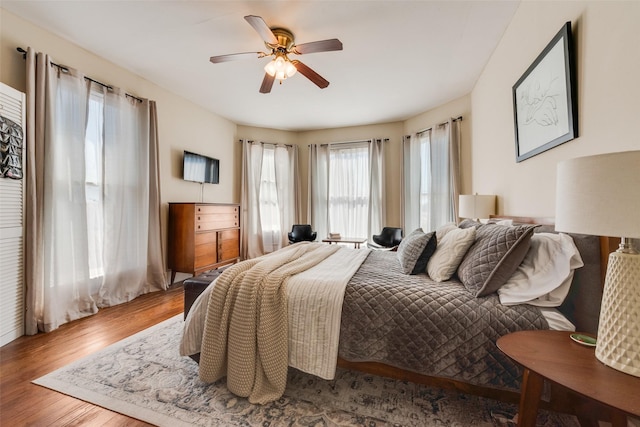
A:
[(12, 107)]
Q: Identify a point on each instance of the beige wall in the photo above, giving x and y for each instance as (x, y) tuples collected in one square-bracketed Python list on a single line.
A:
[(608, 65), (182, 125)]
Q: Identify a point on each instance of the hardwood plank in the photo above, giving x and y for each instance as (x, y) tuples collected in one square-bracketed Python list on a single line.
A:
[(30, 357)]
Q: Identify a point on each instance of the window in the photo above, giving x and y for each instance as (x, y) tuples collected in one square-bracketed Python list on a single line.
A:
[(96, 216), (435, 185), (268, 197), (431, 177), (346, 188), (93, 183), (349, 189)]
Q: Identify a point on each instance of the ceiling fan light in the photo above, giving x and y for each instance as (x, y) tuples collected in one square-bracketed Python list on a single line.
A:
[(270, 68), (290, 69), (280, 63), (280, 75)]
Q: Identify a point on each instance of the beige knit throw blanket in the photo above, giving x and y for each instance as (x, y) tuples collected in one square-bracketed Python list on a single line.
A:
[(245, 332)]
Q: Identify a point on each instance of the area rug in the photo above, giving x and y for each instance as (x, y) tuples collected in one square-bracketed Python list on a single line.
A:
[(144, 377)]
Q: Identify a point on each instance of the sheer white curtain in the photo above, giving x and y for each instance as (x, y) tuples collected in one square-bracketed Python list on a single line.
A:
[(346, 188), (318, 189), (128, 213), (377, 196), (411, 166), (431, 177), (76, 211), (349, 182), (59, 290), (270, 196)]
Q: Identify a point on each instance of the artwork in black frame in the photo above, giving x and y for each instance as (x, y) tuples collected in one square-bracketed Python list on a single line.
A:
[(544, 99)]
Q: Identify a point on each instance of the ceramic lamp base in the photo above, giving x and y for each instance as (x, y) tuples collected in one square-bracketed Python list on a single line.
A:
[(619, 328)]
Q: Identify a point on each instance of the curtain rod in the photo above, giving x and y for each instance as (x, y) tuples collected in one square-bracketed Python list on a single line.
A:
[(439, 124), (65, 69), (268, 143), (351, 142)]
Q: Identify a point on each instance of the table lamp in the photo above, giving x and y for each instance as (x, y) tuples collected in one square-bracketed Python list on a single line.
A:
[(600, 195), (476, 206)]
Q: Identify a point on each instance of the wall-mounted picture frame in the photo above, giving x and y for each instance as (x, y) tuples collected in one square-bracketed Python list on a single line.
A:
[(544, 99)]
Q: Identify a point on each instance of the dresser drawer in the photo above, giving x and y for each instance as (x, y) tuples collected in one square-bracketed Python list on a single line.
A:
[(216, 209), (216, 222)]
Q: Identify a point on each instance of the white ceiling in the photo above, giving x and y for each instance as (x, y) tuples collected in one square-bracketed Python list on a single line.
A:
[(400, 58)]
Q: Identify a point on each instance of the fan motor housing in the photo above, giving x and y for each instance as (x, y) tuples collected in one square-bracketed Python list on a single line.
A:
[(284, 36)]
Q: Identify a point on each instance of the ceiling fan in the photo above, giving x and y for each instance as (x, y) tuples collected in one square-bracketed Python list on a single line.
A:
[(281, 44)]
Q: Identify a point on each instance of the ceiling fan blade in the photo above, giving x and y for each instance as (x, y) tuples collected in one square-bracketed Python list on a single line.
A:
[(310, 74), (235, 57), (267, 83), (262, 28), (319, 46)]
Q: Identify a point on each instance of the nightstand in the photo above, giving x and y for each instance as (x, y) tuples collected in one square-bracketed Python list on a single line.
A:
[(554, 356)]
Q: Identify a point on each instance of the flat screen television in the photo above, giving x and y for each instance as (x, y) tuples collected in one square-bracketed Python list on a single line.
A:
[(199, 168)]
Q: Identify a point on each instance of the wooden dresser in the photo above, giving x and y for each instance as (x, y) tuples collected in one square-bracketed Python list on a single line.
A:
[(203, 236)]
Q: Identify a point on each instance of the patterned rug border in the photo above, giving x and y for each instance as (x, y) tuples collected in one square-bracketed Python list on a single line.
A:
[(130, 410)]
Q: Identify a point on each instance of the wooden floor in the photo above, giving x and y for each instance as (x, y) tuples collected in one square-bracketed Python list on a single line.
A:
[(30, 357)]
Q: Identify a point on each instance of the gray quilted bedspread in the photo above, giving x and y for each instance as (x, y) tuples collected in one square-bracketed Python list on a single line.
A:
[(437, 329)]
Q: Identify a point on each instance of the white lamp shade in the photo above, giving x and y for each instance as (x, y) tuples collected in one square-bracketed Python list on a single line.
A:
[(599, 195), (476, 205)]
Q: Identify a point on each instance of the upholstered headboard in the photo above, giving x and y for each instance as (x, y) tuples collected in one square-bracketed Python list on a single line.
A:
[(582, 305)]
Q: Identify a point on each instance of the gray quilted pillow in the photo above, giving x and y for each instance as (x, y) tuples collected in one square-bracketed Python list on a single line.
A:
[(415, 250), (468, 223), (495, 255)]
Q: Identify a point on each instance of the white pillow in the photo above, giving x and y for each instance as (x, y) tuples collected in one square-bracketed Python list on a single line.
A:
[(544, 276), (444, 229), (449, 253)]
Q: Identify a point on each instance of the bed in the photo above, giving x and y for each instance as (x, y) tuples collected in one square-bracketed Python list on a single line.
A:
[(409, 327)]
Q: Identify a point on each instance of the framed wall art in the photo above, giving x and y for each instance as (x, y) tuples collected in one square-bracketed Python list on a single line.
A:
[(544, 99)]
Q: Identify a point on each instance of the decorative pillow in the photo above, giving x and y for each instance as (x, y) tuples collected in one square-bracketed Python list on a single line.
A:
[(444, 229), (495, 255), (415, 250), (449, 253), (545, 274), (498, 221), (466, 223)]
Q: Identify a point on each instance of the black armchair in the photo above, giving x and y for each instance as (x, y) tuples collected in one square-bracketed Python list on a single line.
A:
[(301, 233), (389, 237)]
